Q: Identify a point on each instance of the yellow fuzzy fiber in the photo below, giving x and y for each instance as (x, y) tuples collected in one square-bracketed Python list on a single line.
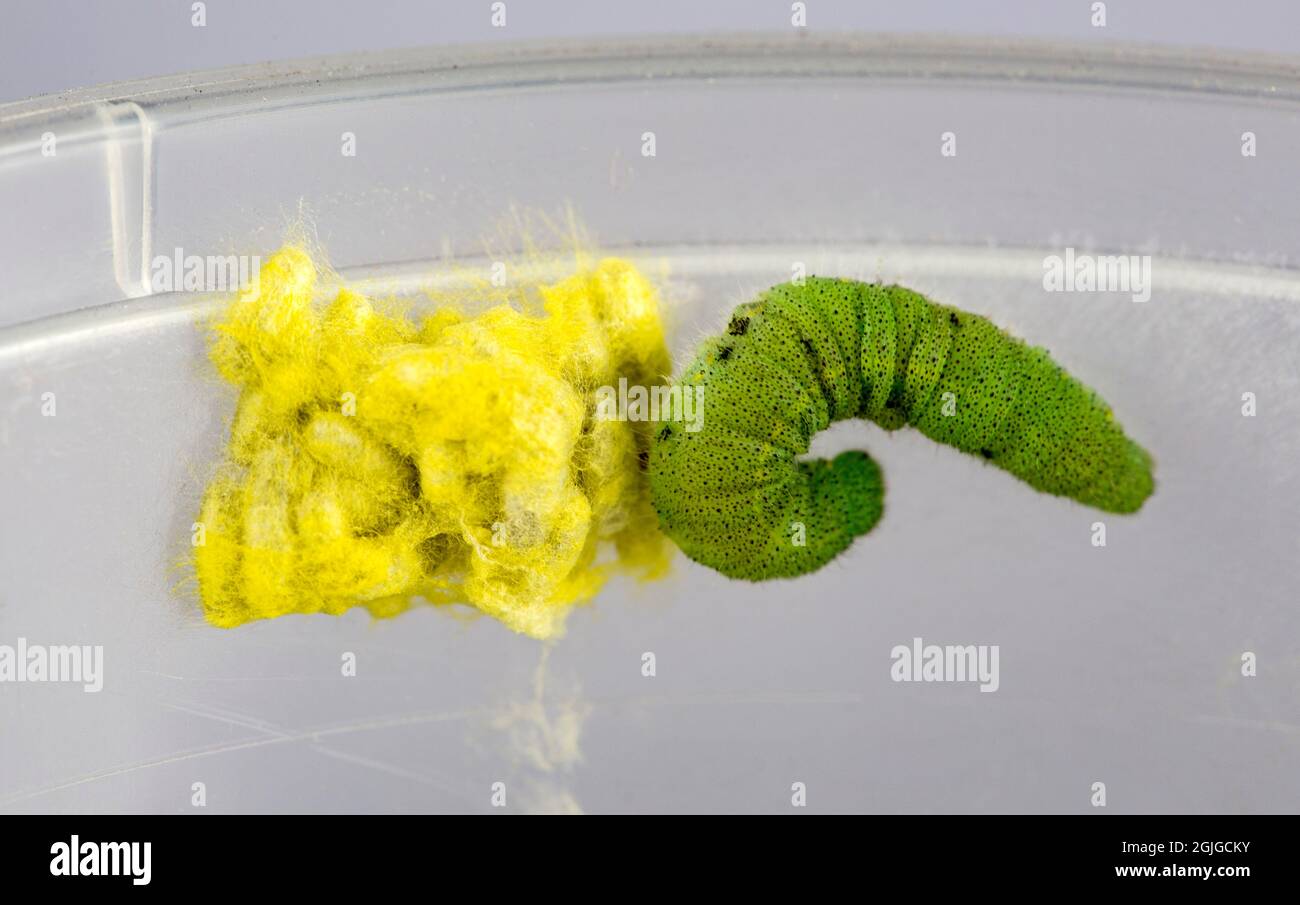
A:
[(374, 458)]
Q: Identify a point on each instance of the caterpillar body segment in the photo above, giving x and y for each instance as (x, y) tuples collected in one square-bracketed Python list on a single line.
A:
[(737, 496)]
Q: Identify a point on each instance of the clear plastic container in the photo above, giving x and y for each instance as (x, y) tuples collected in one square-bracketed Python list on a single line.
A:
[(1119, 664)]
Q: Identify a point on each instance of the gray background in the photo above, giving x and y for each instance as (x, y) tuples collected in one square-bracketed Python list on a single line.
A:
[(51, 45), (1118, 665)]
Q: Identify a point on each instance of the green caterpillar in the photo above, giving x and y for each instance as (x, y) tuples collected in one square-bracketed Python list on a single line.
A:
[(735, 494)]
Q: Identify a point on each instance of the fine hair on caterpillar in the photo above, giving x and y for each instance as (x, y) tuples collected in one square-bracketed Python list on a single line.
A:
[(737, 496)]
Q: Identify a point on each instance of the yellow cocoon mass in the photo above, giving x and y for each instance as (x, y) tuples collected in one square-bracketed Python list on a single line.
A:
[(376, 459)]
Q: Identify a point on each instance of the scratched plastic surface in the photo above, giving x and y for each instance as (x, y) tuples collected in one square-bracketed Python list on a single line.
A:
[(1119, 664)]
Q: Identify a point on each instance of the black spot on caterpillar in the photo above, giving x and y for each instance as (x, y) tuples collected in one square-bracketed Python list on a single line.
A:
[(737, 497)]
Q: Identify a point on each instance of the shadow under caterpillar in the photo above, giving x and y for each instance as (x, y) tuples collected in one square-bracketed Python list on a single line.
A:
[(799, 357)]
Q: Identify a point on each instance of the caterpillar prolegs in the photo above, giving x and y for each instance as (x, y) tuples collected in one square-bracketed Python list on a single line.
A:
[(735, 495)]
